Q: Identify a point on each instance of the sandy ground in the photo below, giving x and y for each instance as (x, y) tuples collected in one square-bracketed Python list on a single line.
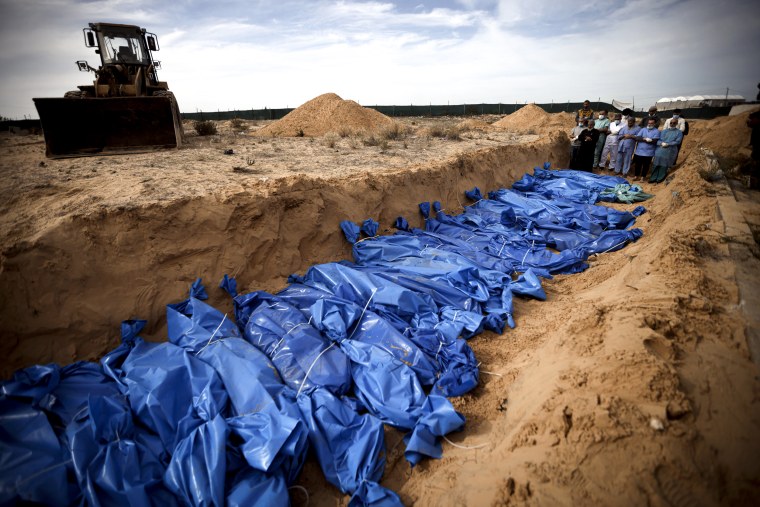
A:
[(633, 384)]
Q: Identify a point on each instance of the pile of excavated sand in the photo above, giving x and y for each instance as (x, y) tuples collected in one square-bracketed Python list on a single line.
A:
[(726, 136), (533, 118), (323, 114)]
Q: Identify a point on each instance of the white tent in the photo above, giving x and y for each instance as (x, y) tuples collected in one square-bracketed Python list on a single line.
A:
[(666, 103)]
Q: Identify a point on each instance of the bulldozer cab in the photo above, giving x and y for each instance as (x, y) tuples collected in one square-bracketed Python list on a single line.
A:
[(119, 44), (125, 55)]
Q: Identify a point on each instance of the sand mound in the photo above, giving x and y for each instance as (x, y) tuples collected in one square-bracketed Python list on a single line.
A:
[(533, 118), (726, 136), (527, 117), (323, 114), (564, 119)]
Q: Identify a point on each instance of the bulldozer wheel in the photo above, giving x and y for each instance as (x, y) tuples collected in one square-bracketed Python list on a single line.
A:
[(75, 94)]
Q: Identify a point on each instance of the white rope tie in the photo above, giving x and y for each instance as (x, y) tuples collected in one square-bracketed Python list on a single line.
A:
[(502, 247), (440, 346), (212, 335), (303, 383), (615, 246), (490, 372), (358, 322), (465, 446), (532, 244)]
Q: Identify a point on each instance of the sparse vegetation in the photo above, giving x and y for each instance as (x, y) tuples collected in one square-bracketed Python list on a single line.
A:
[(370, 140), (345, 131), (452, 133), (353, 142), (205, 127), (238, 125), (437, 131), (330, 139), (393, 132)]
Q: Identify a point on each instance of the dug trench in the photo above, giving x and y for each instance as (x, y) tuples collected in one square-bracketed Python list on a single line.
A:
[(632, 384), (66, 289)]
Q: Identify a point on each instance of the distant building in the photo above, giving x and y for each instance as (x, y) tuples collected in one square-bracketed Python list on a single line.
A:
[(666, 103)]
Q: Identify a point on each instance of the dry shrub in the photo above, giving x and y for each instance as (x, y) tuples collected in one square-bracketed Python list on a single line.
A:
[(370, 140), (237, 125), (393, 132), (330, 139), (205, 127), (346, 131), (437, 131), (453, 133)]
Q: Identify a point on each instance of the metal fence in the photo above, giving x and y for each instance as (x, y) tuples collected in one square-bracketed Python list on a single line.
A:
[(431, 110)]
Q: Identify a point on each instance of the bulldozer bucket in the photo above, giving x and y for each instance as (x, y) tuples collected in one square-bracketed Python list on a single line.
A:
[(80, 127)]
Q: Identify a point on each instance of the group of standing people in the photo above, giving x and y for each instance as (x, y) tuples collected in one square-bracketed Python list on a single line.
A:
[(624, 143)]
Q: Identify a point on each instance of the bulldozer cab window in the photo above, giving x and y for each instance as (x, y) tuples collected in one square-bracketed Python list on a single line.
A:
[(123, 49)]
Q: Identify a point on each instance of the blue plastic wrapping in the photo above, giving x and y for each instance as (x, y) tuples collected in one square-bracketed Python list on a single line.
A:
[(474, 194), (350, 230), (198, 290), (265, 419), (229, 285), (112, 465), (170, 391), (369, 227), (252, 487), (193, 324), (196, 473), (382, 296), (390, 391), (350, 447), (32, 464), (304, 358)]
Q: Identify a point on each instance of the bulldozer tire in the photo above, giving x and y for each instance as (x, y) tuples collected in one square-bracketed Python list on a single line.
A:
[(75, 94)]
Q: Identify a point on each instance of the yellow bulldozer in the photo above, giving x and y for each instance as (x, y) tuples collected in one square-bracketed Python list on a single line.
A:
[(126, 109)]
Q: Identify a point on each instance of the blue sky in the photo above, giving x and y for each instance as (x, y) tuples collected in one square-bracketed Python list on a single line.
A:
[(242, 54)]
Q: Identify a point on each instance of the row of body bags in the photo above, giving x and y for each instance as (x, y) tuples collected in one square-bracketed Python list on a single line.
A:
[(225, 411)]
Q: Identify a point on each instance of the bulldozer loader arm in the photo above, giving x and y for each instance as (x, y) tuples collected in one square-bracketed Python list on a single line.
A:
[(106, 126)]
